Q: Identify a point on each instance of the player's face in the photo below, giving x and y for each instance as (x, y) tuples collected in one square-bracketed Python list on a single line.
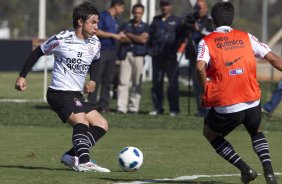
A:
[(90, 26), (137, 14)]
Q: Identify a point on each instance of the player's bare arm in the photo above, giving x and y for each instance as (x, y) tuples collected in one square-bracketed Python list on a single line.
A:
[(201, 74), (274, 60), (201, 77)]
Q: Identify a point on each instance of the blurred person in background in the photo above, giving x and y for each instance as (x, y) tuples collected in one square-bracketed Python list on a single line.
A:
[(131, 53), (198, 24), (104, 70), (74, 52), (276, 97), (226, 71), (164, 41)]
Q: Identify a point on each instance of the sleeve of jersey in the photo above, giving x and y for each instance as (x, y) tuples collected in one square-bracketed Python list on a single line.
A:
[(31, 60), (203, 52), (48, 47), (97, 56), (260, 49)]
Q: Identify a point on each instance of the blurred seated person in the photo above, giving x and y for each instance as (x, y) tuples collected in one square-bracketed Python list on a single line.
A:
[(269, 107)]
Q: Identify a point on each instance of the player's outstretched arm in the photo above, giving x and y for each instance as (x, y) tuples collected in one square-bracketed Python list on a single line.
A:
[(274, 60), (32, 59)]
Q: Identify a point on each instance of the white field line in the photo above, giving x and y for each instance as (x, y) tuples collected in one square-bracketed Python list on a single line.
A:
[(183, 178), (20, 100)]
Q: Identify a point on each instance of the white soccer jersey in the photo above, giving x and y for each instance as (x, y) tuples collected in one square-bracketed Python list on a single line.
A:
[(73, 57), (259, 49)]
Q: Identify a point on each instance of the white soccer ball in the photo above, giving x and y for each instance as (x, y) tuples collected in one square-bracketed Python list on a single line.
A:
[(130, 159)]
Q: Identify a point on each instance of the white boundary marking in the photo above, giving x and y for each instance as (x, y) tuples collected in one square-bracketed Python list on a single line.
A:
[(20, 100), (183, 178)]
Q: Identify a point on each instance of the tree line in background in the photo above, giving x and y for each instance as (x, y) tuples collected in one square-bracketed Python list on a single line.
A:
[(22, 16)]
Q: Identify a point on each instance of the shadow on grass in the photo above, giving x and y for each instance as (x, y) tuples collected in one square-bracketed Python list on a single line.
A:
[(33, 168), (163, 181)]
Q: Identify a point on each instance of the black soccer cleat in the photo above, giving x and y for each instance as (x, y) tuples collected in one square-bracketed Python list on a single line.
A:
[(248, 175), (270, 179)]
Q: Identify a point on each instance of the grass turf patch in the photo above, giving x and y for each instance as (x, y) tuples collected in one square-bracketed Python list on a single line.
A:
[(32, 155)]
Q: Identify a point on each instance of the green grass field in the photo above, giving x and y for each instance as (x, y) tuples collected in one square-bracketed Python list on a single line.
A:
[(32, 139)]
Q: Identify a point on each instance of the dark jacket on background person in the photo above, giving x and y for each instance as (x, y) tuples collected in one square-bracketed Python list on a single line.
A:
[(164, 36), (138, 49), (194, 36)]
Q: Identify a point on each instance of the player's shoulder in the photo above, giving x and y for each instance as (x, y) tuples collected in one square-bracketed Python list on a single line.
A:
[(64, 35), (94, 40)]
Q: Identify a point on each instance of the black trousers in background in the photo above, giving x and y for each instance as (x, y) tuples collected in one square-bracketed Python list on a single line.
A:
[(165, 65), (104, 71)]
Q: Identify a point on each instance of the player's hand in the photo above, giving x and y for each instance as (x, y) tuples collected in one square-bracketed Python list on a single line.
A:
[(20, 84), (90, 87)]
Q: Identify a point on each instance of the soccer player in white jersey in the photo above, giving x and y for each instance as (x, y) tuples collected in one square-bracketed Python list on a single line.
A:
[(74, 52), (226, 70)]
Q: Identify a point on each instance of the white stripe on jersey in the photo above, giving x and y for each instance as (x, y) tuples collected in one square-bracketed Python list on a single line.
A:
[(73, 57)]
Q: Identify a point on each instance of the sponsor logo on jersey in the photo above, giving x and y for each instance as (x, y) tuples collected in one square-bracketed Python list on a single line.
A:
[(227, 63), (77, 102), (237, 71), (226, 44), (91, 50), (75, 65), (203, 50)]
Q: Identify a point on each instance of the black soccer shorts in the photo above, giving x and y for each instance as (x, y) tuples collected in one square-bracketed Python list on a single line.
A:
[(225, 123), (64, 103)]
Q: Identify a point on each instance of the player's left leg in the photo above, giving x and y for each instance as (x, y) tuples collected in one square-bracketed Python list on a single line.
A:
[(259, 142), (98, 126)]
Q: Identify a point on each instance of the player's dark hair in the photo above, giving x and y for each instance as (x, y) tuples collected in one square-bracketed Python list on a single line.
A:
[(138, 5), (117, 2), (83, 12), (223, 14)]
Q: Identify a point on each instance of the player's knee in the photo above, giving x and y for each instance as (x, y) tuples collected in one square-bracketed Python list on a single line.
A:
[(73, 119), (104, 124)]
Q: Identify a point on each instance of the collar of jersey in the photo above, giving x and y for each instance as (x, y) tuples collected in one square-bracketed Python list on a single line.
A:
[(223, 29)]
